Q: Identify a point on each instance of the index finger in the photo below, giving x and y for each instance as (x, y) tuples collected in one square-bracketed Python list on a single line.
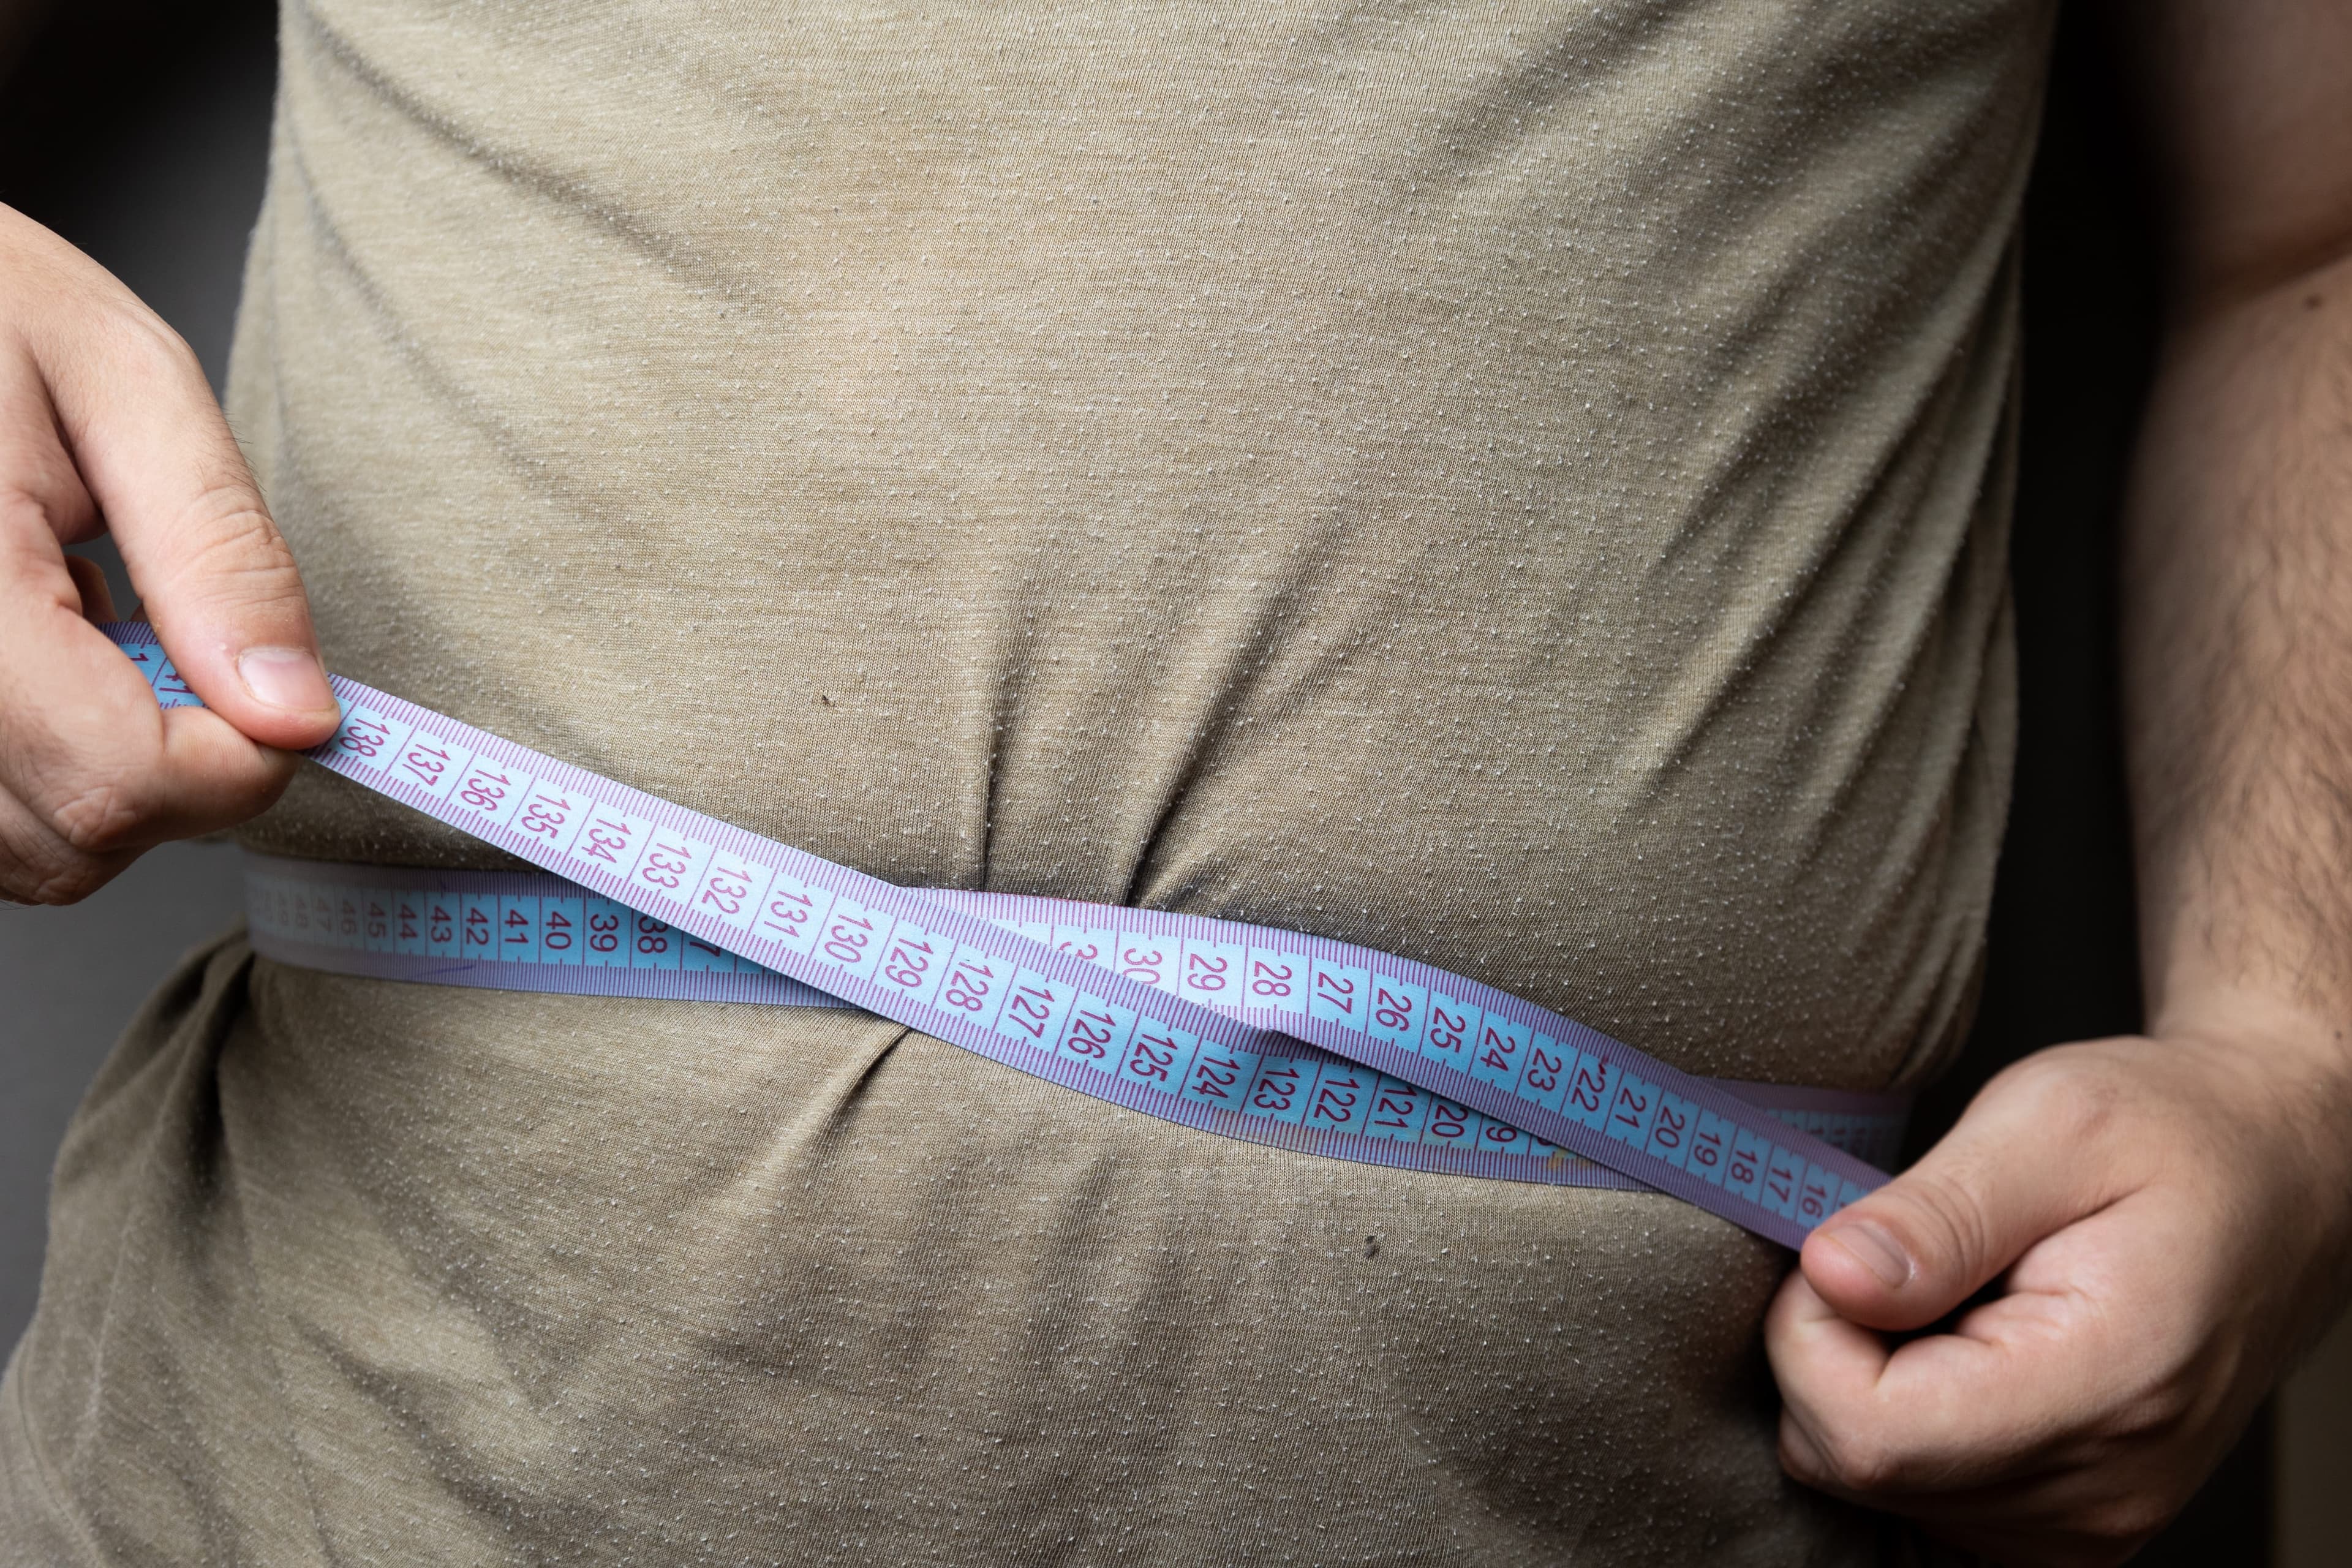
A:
[(212, 570)]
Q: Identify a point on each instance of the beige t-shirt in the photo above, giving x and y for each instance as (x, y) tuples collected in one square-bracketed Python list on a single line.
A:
[(1520, 486)]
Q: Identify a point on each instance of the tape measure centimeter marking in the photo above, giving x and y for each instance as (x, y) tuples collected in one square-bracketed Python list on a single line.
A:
[(319, 916), (534, 931), (920, 962)]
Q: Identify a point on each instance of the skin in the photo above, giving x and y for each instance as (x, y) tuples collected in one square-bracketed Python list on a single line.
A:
[(2170, 1215), (106, 423)]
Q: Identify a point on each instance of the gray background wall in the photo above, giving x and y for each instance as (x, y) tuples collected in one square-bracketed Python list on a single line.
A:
[(139, 133)]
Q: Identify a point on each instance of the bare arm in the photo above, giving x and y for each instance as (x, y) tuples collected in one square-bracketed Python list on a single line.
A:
[(2170, 1215), (2238, 557)]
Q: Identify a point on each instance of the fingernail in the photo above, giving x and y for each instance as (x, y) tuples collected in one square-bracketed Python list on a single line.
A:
[(286, 677), (1876, 1251)]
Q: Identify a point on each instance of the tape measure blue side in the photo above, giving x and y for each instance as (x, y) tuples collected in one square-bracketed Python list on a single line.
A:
[(532, 931), (911, 958)]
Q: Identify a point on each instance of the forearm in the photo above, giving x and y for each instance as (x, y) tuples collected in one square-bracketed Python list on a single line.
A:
[(2238, 654), (2238, 700)]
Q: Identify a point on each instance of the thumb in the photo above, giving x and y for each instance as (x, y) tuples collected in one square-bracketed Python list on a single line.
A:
[(2011, 1173), (212, 570)]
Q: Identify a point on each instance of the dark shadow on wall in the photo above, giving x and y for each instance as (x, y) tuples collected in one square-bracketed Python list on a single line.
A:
[(139, 131)]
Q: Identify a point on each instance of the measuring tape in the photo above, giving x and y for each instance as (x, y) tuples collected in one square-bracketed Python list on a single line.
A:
[(1274, 1036), (519, 930)]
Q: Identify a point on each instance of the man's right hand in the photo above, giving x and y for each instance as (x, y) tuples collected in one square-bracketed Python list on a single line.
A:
[(107, 424)]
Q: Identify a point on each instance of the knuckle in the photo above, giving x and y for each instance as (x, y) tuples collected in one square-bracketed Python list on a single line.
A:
[(2162, 1403), (1802, 1463), (2123, 1521), (2072, 1093), (99, 818), (41, 498), (69, 883), (1857, 1462), (132, 331), (28, 538), (229, 549), (47, 873)]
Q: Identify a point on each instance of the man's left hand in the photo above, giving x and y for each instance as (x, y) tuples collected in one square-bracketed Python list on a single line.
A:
[(2170, 1215)]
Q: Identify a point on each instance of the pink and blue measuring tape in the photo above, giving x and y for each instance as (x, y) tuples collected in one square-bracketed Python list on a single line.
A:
[(1272, 1037)]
